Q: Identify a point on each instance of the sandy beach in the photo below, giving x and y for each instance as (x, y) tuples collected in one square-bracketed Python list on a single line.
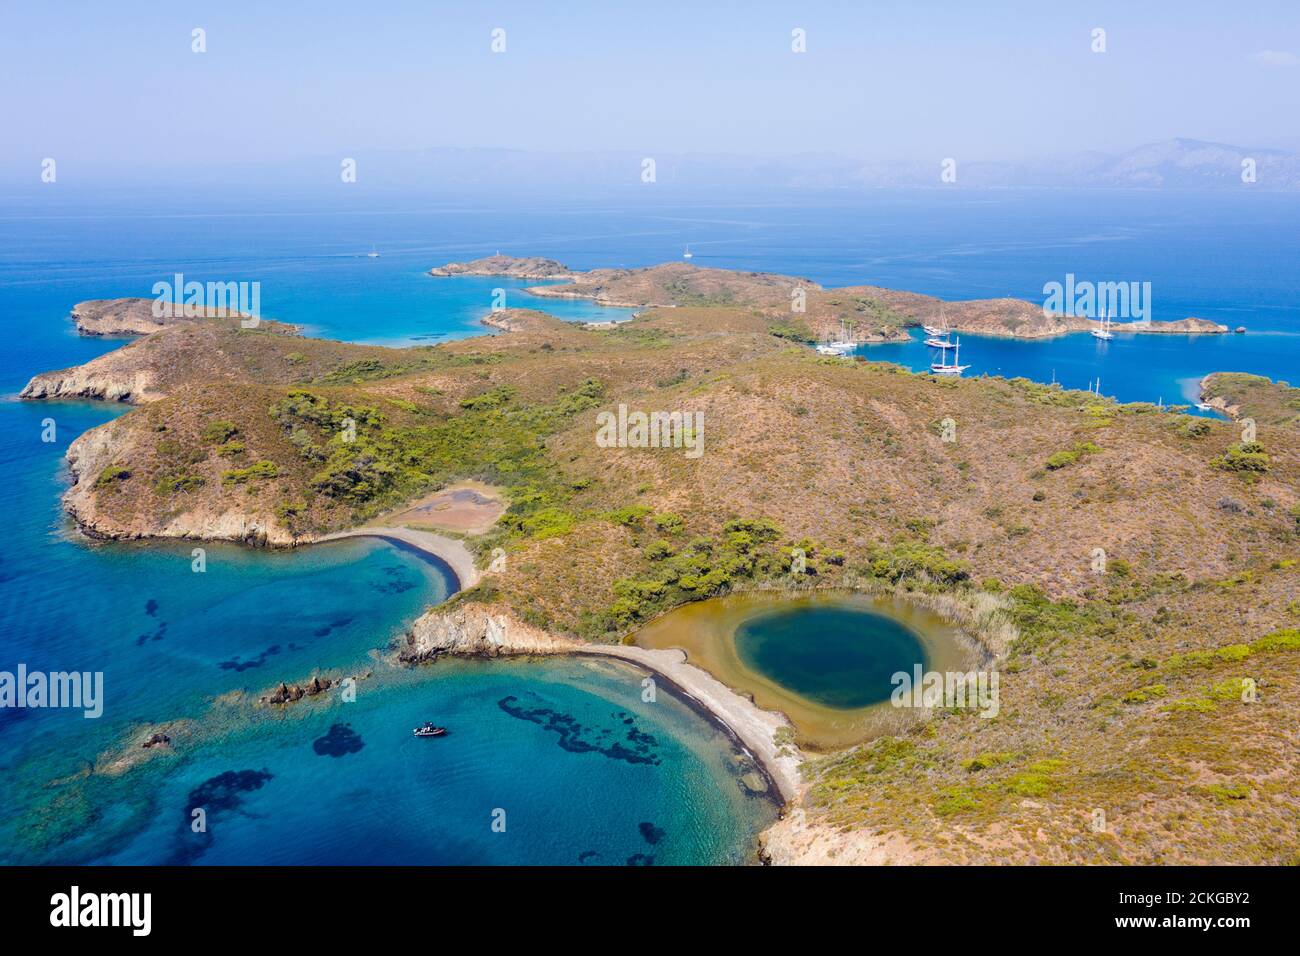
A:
[(753, 727), (450, 551)]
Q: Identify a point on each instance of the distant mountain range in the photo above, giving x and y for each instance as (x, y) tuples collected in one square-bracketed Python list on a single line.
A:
[(1170, 164)]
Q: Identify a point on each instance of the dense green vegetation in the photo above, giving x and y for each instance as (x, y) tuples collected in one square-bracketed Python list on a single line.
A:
[(371, 462), (1247, 457)]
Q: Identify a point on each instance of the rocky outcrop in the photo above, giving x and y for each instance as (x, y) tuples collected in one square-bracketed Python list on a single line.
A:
[(510, 267), (477, 630), (288, 693), (516, 320), (118, 317), (1188, 326), (157, 740)]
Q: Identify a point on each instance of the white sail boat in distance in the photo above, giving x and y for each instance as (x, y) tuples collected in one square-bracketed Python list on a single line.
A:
[(687, 254), (942, 368), (1104, 332), (373, 253), (936, 331), (844, 345)]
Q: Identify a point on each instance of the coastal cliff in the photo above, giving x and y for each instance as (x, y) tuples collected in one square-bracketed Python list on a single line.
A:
[(476, 630), (98, 379), (101, 514)]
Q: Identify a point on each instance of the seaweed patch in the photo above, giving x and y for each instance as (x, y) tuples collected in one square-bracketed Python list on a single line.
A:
[(636, 746)]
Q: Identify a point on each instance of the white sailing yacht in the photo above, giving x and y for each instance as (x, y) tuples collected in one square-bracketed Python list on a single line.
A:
[(373, 253), (937, 331), (1104, 332), (841, 347), (942, 367), (688, 254)]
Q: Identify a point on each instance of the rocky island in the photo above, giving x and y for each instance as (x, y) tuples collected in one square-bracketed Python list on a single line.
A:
[(1123, 688), (811, 312)]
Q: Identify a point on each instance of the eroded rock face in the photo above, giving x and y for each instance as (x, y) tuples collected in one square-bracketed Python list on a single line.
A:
[(93, 380), (476, 630)]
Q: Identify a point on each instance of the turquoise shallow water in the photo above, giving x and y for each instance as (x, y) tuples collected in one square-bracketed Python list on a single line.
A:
[(555, 755), (836, 657), (564, 752)]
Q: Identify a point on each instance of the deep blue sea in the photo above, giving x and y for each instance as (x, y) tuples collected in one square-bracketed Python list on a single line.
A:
[(564, 751)]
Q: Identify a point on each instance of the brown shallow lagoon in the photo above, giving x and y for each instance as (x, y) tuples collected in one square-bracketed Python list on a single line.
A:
[(824, 660)]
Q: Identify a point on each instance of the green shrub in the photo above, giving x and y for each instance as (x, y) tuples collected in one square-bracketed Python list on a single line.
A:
[(1225, 792), (1063, 458), (175, 483), (492, 398), (258, 471), (1248, 457), (792, 331), (659, 550), (111, 474), (668, 523), (916, 559), (630, 516), (218, 433), (1145, 694), (986, 760)]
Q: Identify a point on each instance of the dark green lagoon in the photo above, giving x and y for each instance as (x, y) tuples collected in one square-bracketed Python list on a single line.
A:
[(838, 657)]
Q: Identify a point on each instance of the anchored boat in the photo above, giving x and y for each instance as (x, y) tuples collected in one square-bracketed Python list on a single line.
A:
[(1104, 332), (939, 331), (428, 730), (841, 347), (942, 367)]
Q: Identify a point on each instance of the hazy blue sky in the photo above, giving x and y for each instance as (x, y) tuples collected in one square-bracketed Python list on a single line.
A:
[(111, 83)]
